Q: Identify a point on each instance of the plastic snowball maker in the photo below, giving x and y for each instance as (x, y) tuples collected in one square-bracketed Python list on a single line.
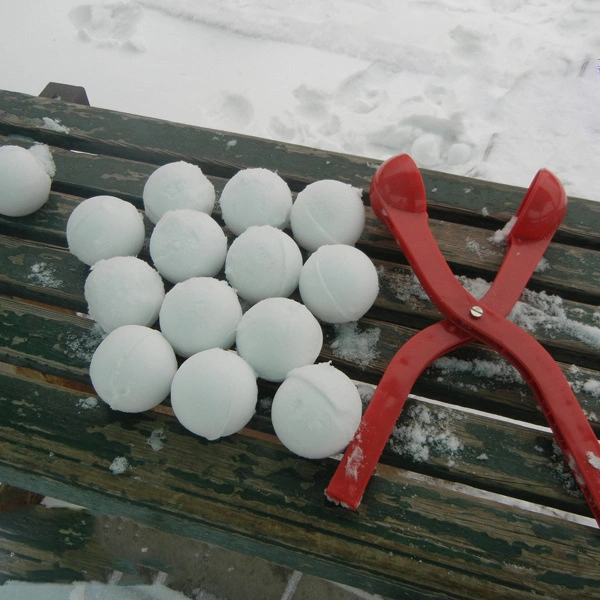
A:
[(472, 496), (398, 199)]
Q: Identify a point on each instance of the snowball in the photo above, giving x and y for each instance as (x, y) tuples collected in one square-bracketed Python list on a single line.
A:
[(459, 154), (200, 313), (255, 197), (24, 182), (177, 185), (338, 283), (263, 262), (277, 335), (132, 368), (214, 393), (316, 411), (426, 150), (123, 290), (327, 212), (103, 227), (187, 243), (44, 155)]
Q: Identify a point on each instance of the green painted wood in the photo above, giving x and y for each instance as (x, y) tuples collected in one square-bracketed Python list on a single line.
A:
[(250, 494), (63, 347), (572, 272), (58, 343), (222, 154), (62, 545), (41, 545), (49, 274), (42, 273)]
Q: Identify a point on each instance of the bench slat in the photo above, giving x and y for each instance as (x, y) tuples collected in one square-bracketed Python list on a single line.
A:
[(478, 450), (63, 343), (49, 274), (154, 141)]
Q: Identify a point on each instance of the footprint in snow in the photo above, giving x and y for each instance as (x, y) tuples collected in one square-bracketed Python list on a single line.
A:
[(231, 112), (364, 91), (109, 24)]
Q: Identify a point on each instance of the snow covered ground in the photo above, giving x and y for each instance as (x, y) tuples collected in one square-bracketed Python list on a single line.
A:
[(493, 89)]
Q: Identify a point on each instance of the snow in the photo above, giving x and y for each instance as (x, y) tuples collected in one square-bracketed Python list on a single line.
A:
[(44, 274), (594, 460), (14, 590), (494, 89), (156, 441), (119, 465), (88, 403), (44, 155), (425, 431), (54, 125), (83, 347), (354, 345)]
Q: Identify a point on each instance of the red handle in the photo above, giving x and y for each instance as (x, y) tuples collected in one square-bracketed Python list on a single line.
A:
[(398, 198)]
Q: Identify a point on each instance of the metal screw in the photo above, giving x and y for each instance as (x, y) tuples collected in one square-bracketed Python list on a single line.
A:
[(477, 312)]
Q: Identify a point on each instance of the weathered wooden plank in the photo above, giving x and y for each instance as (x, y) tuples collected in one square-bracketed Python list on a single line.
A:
[(57, 343), (43, 273), (478, 450), (63, 545), (222, 154), (62, 344), (571, 272), (250, 494), (41, 545)]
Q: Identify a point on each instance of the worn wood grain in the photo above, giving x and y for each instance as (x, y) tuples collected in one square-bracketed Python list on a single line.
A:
[(156, 142), (251, 495)]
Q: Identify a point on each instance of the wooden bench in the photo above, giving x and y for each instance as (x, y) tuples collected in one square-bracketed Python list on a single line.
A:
[(471, 499)]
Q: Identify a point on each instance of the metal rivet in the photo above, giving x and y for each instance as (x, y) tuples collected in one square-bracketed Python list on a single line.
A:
[(477, 312)]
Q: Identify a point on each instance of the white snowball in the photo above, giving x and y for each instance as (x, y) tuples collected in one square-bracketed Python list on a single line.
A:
[(255, 197), (277, 335), (187, 243), (200, 313), (123, 290), (262, 263), (24, 182), (132, 368), (338, 283), (103, 227), (426, 150), (177, 185), (459, 153), (214, 393), (327, 212), (316, 411), (44, 155)]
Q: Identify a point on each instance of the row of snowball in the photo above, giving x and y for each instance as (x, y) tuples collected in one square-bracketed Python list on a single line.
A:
[(325, 212), (315, 411), (338, 283)]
